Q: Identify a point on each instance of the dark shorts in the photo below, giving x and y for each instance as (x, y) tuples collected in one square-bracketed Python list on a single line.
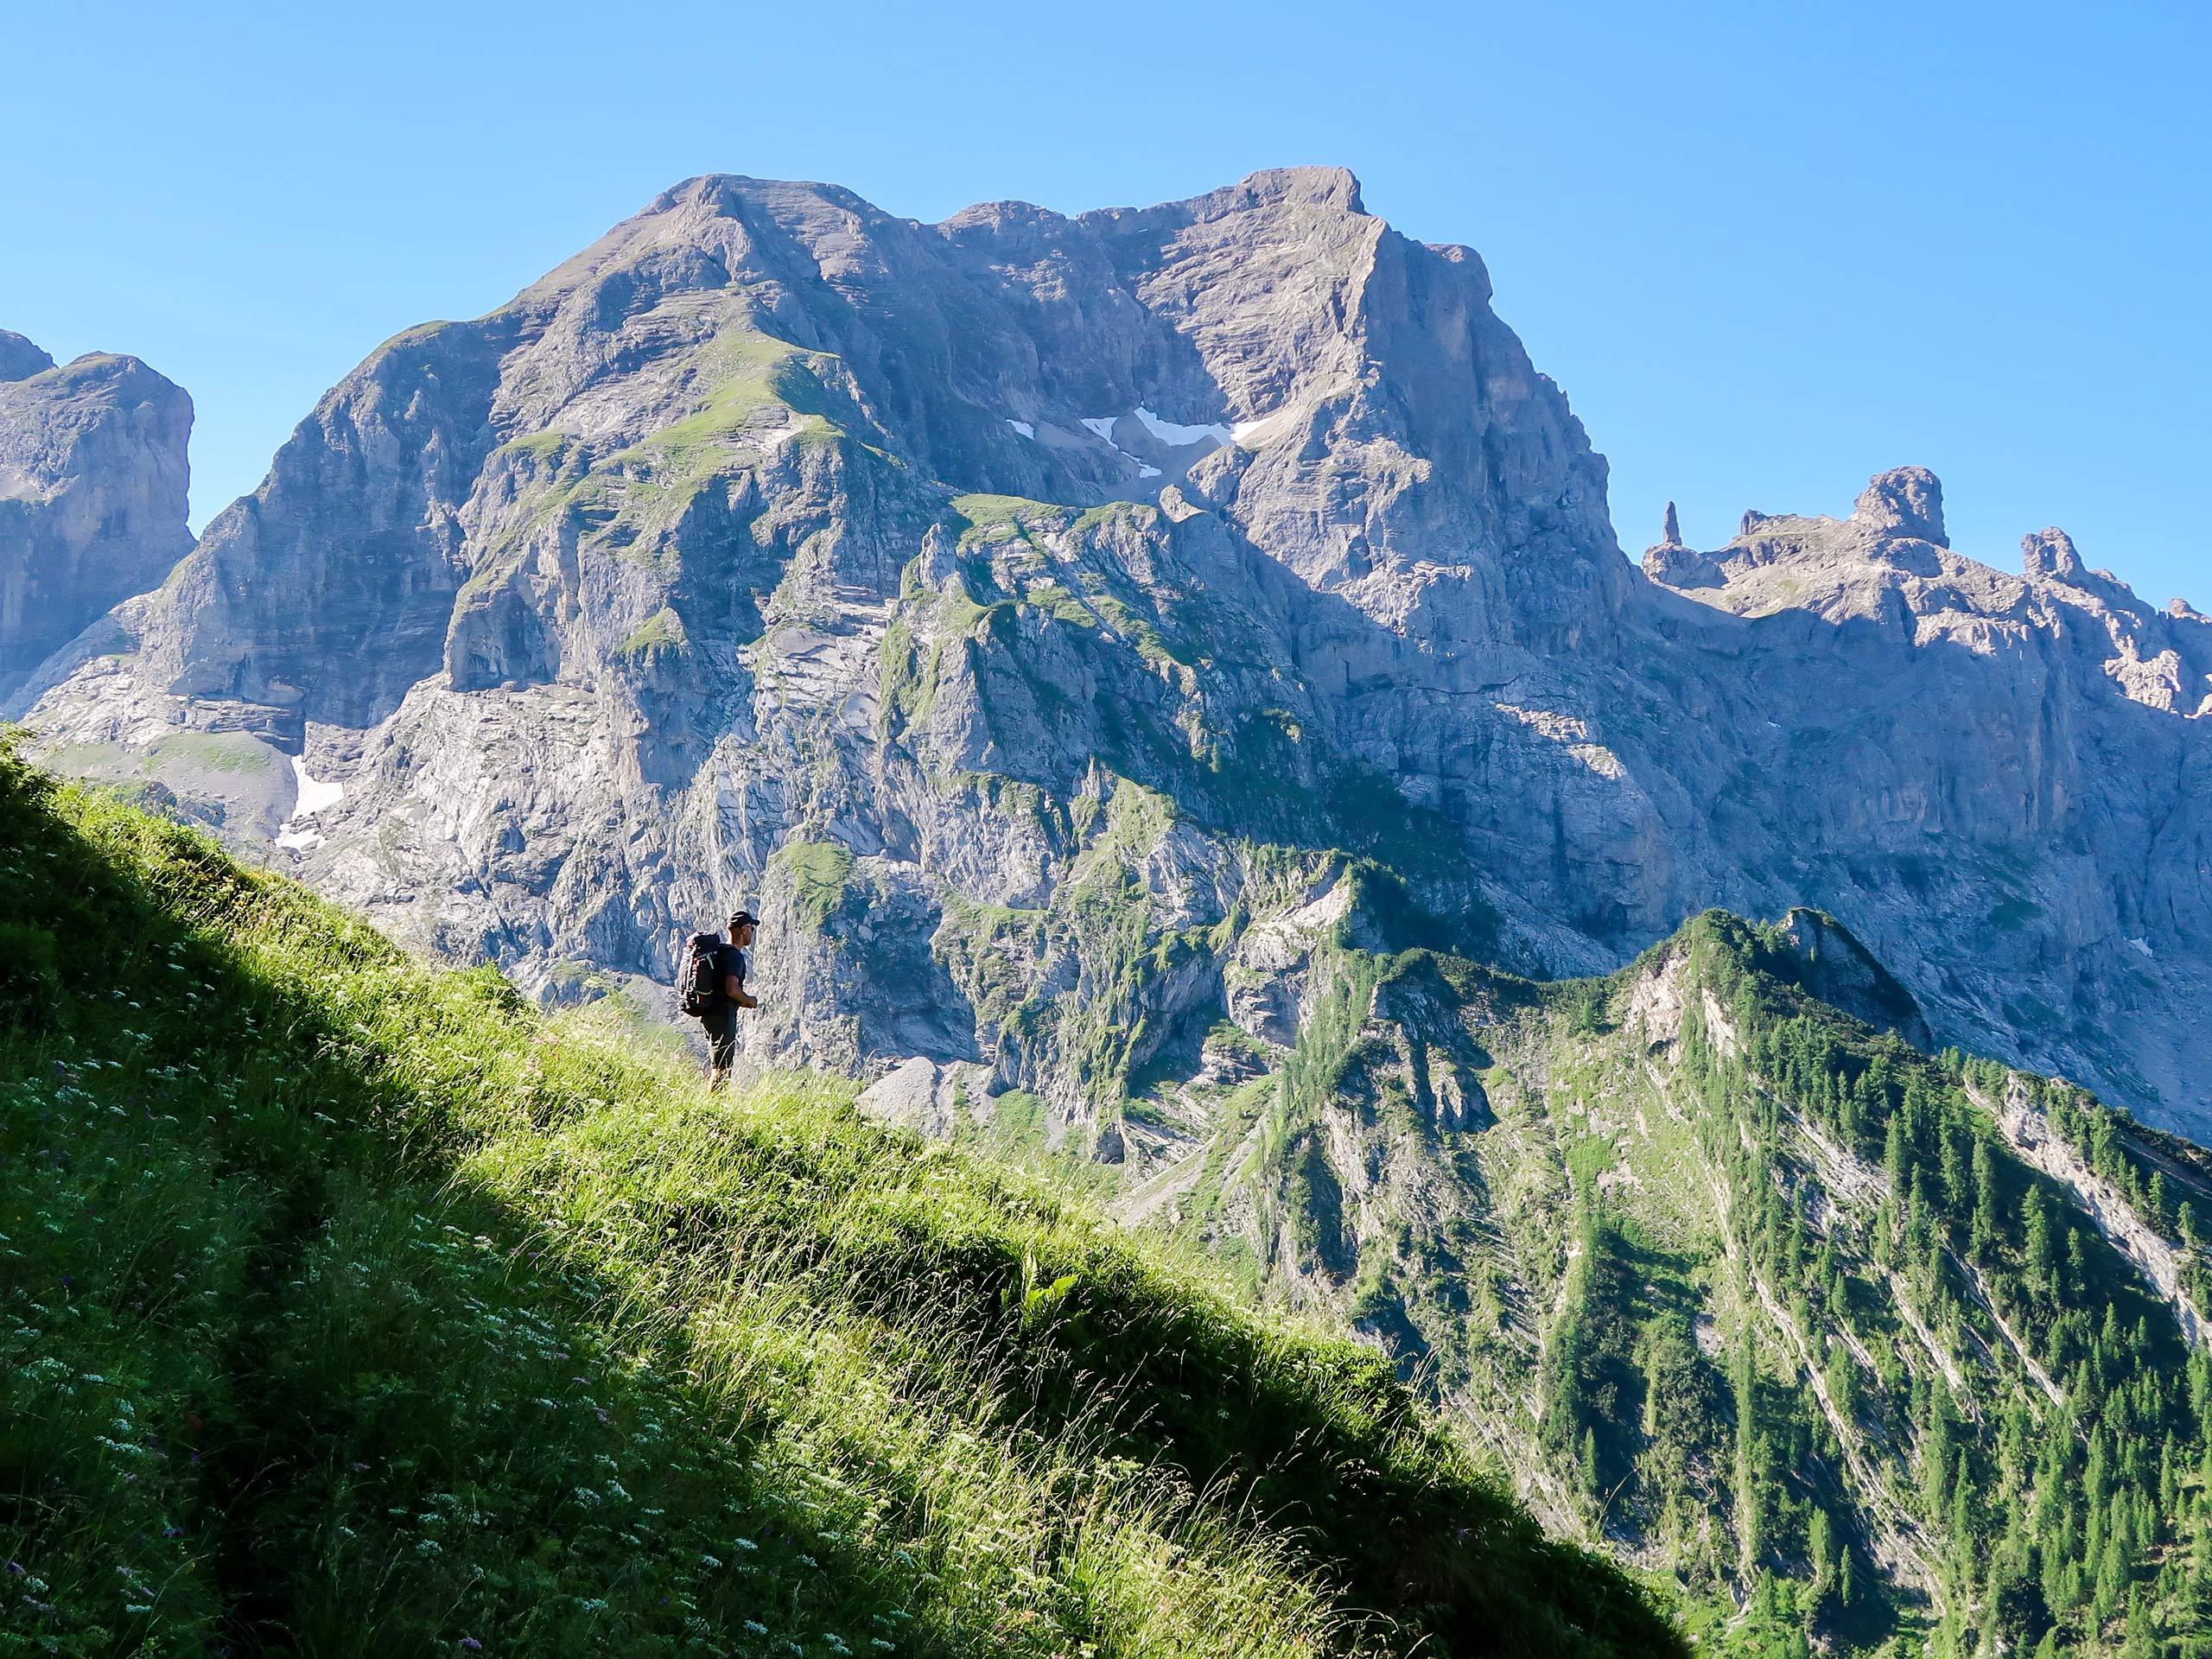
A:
[(721, 1037)]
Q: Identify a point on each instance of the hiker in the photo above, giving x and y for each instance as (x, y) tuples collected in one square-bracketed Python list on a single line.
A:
[(714, 990)]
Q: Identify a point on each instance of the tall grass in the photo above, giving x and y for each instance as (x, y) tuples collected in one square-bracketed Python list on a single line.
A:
[(349, 1306)]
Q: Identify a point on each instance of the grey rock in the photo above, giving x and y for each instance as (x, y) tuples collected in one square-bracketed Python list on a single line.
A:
[(2049, 556), (92, 486), (1905, 502), (935, 1100), (20, 359), (1676, 565), (1036, 618), (1836, 968)]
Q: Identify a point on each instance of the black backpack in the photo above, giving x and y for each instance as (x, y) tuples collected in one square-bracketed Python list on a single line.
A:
[(700, 985)]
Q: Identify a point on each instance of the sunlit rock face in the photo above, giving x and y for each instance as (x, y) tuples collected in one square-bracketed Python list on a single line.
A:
[(93, 481), (1054, 627)]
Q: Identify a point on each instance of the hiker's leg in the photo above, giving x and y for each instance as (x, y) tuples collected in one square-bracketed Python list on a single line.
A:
[(721, 1039)]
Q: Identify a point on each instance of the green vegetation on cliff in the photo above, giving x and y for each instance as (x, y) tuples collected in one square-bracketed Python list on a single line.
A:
[(1869, 1349), (1865, 1347), (349, 1306)]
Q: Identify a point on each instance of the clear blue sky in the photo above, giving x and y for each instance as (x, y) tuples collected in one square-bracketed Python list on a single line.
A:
[(1767, 249)]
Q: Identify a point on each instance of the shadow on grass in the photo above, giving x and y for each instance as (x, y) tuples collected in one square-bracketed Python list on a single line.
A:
[(278, 1386), (406, 1431)]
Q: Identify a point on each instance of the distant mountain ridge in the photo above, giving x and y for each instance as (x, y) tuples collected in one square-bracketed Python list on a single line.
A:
[(598, 602), (773, 521), (1169, 684)]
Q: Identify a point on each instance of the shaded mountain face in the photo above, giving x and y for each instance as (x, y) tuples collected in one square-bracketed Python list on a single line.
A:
[(1034, 618), (92, 483)]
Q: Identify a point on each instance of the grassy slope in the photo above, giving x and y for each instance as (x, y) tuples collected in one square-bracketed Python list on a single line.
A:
[(349, 1306)]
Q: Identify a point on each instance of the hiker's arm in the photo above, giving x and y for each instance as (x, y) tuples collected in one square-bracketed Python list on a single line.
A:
[(733, 988)]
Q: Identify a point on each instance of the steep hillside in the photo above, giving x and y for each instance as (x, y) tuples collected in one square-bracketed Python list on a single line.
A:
[(1857, 1342), (348, 1307), (778, 549)]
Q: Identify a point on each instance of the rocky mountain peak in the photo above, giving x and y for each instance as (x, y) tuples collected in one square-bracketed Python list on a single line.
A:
[(902, 579), (2048, 556), (93, 477), (1333, 187), (1904, 501), (1672, 564), (20, 359)]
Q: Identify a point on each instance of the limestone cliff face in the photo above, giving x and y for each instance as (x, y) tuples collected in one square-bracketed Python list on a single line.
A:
[(1035, 617), (92, 483), (2019, 763)]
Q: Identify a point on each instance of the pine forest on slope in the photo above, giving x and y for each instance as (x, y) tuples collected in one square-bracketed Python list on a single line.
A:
[(1861, 1345)]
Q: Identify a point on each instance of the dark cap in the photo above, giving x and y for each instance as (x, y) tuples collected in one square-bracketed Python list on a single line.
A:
[(743, 919)]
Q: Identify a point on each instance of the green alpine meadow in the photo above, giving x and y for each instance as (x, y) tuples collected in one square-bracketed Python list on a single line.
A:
[(353, 1307)]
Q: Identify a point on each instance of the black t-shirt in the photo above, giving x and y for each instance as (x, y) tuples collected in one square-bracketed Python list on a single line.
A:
[(729, 963)]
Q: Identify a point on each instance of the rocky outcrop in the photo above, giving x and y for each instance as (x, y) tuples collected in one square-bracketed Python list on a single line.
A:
[(21, 359), (2012, 768), (1833, 965), (2028, 1131), (1034, 616), (92, 485)]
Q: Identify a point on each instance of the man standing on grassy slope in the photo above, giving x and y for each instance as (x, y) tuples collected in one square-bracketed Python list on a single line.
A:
[(714, 990)]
